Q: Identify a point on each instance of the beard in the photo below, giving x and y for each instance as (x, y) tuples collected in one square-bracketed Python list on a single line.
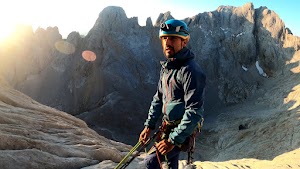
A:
[(169, 52)]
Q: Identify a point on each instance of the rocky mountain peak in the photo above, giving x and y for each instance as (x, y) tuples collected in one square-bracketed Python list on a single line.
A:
[(250, 58), (112, 18), (163, 17)]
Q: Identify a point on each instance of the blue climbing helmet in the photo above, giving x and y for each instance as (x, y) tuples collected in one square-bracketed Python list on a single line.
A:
[(174, 27)]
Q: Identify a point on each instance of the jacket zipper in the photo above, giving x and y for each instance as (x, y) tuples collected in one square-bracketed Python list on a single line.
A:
[(168, 98)]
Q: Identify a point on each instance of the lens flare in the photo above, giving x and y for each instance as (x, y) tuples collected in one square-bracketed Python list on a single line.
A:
[(65, 47), (89, 55)]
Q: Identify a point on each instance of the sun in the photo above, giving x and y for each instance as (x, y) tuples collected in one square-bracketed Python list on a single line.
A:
[(6, 31), (8, 22), (10, 19)]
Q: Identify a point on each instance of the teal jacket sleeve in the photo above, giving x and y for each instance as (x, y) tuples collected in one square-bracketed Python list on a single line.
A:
[(193, 82), (155, 110)]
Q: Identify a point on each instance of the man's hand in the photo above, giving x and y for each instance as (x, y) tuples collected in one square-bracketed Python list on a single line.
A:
[(164, 146), (145, 135)]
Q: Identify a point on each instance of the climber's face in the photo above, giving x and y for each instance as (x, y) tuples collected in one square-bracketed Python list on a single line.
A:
[(172, 45)]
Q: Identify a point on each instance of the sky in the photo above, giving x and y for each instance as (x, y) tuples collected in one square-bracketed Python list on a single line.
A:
[(81, 15)]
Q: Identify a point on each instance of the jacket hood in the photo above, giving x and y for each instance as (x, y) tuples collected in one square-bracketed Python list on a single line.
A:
[(179, 58), (184, 54)]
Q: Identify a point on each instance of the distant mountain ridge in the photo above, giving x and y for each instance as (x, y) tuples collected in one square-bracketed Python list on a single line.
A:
[(252, 102), (115, 90)]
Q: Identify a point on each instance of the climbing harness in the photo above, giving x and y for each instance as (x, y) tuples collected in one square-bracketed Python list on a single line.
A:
[(160, 134)]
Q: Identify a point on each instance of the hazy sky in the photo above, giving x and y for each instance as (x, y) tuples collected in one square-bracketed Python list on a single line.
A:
[(80, 15)]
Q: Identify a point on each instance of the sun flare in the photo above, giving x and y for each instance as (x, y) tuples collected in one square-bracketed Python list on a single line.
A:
[(8, 21), (22, 14), (6, 31)]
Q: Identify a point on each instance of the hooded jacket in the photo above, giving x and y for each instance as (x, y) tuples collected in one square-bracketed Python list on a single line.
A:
[(179, 95)]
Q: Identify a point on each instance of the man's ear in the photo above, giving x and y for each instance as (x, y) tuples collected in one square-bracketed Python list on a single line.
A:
[(185, 41)]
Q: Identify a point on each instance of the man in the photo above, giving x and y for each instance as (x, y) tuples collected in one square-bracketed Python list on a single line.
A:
[(179, 96)]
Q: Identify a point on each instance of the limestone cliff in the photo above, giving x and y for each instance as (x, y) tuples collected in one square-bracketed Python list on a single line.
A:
[(250, 58)]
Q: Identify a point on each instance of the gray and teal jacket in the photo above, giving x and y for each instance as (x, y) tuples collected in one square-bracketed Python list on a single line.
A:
[(179, 96)]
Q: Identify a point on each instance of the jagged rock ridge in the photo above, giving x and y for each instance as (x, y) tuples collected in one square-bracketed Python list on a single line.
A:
[(236, 40), (115, 91)]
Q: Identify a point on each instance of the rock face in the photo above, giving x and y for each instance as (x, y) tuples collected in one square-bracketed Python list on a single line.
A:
[(252, 101), (113, 93), (36, 136)]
